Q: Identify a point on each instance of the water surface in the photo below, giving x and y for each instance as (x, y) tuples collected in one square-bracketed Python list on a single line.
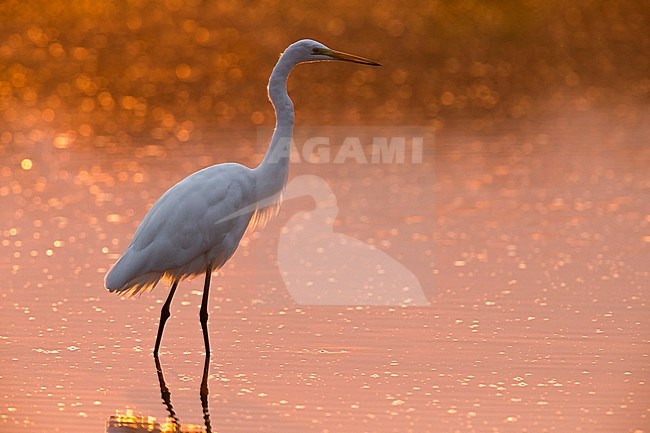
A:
[(530, 245)]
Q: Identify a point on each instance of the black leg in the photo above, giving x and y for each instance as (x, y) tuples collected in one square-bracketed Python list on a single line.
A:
[(164, 315), (203, 315)]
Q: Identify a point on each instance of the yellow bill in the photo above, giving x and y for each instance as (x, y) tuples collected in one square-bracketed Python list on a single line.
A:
[(338, 55)]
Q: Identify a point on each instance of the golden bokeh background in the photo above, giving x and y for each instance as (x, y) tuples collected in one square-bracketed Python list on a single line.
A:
[(106, 70)]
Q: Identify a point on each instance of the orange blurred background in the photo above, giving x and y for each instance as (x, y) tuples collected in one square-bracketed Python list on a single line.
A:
[(165, 68)]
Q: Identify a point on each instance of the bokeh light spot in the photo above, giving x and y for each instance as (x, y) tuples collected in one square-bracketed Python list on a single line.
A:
[(183, 71), (62, 141)]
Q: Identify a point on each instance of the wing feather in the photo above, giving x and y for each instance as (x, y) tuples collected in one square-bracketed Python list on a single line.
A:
[(189, 227)]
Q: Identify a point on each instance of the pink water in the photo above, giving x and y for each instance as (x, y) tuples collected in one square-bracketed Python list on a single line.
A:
[(530, 244)]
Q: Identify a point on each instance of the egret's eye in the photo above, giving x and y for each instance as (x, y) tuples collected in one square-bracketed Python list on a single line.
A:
[(315, 51)]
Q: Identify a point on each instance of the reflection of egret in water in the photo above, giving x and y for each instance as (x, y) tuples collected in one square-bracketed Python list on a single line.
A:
[(321, 267), (167, 401), (204, 394), (134, 423), (166, 396)]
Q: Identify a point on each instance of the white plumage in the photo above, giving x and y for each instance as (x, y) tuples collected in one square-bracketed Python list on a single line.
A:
[(187, 229)]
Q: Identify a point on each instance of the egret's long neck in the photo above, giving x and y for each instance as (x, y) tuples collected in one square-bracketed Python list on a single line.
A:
[(273, 171)]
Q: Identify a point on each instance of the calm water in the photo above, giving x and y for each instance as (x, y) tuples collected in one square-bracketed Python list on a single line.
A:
[(530, 246)]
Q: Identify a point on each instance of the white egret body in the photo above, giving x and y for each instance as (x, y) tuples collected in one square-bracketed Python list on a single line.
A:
[(196, 226)]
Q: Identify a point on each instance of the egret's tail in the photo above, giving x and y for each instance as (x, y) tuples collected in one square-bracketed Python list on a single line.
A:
[(126, 276)]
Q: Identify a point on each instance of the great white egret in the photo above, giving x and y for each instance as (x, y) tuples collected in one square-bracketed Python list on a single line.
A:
[(196, 226)]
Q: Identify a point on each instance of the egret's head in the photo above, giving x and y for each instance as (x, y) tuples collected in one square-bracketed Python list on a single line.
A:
[(306, 50)]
